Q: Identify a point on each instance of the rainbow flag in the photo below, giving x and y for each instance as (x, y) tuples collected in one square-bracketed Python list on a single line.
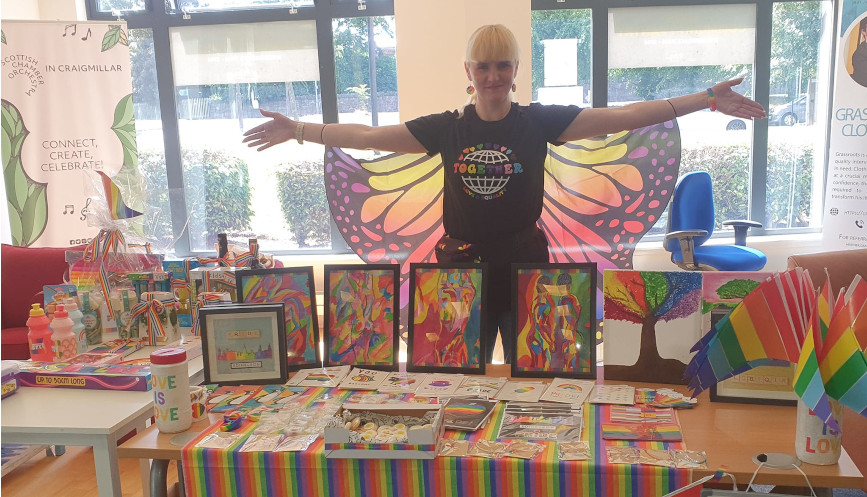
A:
[(116, 206), (784, 319)]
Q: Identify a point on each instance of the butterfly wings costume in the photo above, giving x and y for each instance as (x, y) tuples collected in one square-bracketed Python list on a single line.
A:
[(594, 199)]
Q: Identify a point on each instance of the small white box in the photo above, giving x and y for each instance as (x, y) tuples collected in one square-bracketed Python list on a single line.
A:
[(423, 443)]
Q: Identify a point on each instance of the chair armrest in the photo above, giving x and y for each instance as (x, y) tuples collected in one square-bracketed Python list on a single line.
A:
[(741, 226), (685, 239)]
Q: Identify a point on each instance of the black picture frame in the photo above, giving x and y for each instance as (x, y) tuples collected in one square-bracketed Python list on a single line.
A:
[(726, 390), (571, 285), (293, 287), (420, 323), (260, 332), (380, 307)]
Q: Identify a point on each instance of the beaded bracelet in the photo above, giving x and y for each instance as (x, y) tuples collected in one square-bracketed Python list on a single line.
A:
[(299, 133), (712, 99)]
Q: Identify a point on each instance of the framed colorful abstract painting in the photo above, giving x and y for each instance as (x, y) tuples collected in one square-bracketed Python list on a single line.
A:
[(243, 344), (293, 287), (554, 309), (446, 318), (361, 315), (652, 320)]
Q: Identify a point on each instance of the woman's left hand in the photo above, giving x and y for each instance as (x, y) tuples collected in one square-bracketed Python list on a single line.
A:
[(733, 103)]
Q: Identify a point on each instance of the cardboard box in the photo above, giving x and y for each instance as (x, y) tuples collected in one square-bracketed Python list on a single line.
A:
[(192, 344), (220, 279), (422, 442), (85, 376), (9, 378)]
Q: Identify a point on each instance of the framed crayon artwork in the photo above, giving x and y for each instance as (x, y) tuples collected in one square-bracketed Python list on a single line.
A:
[(293, 287), (554, 310), (243, 344), (447, 319), (361, 315)]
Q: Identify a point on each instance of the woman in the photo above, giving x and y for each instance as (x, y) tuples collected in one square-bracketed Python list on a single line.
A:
[(493, 152)]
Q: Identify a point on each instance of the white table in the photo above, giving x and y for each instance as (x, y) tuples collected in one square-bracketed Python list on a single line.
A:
[(95, 418)]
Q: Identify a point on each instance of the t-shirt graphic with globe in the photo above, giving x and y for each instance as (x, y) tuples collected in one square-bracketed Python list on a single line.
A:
[(494, 170)]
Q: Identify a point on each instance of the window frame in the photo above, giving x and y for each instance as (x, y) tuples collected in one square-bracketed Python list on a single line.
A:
[(761, 89), (160, 22)]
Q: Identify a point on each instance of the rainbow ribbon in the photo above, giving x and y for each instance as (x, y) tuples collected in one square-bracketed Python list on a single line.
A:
[(202, 300), (95, 251), (151, 308)]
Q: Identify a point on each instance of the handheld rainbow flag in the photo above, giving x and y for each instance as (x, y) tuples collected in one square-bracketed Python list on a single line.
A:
[(784, 319), (113, 197)]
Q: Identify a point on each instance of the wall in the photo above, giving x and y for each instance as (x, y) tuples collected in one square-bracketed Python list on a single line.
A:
[(45, 10), (432, 40)]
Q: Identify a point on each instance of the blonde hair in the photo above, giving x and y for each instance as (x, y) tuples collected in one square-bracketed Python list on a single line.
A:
[(492, 42)]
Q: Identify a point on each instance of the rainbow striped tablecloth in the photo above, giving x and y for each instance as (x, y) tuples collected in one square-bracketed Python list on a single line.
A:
[(228, 472)]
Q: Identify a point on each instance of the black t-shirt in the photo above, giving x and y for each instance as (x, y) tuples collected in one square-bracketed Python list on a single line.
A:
[(494, 170)]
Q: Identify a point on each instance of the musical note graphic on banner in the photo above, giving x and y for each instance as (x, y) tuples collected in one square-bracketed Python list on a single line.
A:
[(70, 208), (85, 37), (84, 211), (73, 26)]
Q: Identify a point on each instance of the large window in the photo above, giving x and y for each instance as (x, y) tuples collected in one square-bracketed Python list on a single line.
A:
[(767, 170), (202, 71)]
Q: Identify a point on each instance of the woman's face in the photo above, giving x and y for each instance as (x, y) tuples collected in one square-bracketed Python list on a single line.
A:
[(493, 79)]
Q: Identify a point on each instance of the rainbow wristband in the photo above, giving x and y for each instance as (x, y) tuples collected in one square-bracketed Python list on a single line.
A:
[(711, 99)]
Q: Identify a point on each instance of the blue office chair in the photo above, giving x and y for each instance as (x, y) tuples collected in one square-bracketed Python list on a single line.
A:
[(690, 224)]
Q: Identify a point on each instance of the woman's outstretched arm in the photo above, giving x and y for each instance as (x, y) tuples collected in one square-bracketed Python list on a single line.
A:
[(602, 121), (395, 138)]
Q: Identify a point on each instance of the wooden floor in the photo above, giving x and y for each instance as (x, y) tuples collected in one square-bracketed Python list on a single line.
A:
[(70, 475)]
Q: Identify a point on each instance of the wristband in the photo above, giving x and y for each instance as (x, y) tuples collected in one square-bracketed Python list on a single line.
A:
[(299, 133), (672, 107), (322, 134), (711, 99)]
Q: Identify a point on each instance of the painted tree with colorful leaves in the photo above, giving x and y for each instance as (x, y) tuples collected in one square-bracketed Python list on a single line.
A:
[(645, 298)]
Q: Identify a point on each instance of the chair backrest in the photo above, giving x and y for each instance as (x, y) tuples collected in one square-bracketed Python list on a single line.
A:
[(25, 270), (691, 207)]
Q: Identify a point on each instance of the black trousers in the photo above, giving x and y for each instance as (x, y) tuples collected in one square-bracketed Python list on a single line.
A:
[(527, 245)]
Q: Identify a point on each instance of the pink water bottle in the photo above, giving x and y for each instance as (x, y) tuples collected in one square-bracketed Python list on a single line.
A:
[(65, 340), (39, 335)]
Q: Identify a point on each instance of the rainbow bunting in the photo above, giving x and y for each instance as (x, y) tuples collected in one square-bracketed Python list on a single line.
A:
[(785, 319), (116, 206)]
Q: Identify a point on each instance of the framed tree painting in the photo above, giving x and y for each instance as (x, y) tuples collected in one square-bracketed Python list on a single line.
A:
[(447, 319), (293, 287), (554, 310), (243, 344), (652, 320), (361, 315)]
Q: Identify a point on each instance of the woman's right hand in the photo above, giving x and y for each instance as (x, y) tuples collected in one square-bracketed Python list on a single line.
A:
[(278, 130)]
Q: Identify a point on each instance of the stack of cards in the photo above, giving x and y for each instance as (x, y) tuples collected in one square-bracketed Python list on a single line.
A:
[(398, 382), (613, 394), (319, 377), (439, 385), (480, 386), (524, 391), (467, 414), (363, 379), (568, 391)]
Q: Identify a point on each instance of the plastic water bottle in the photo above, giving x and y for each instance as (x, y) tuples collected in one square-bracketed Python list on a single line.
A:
[(65, 340), (77, 318), (170, 379), (39, 335)]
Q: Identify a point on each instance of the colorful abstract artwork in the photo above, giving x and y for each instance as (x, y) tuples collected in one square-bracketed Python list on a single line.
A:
[(555, 318), (361, 315), (601, 196), (243, 344), (652, 318), (447, 323), (292, 287)]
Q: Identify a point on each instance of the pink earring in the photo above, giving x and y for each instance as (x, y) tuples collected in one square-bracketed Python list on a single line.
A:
[(471, 89), (514, 87)]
